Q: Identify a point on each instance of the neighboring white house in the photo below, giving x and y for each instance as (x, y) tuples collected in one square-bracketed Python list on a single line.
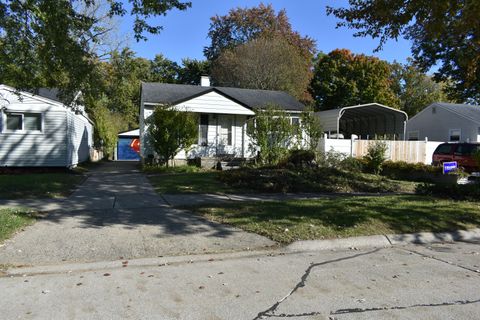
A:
[(446, 122), (222, 112), (38, 130)]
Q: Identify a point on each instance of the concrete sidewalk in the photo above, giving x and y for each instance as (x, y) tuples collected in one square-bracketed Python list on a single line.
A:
[(412, 282)]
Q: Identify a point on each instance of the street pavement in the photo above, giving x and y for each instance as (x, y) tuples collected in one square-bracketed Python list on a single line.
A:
[(439, 281)]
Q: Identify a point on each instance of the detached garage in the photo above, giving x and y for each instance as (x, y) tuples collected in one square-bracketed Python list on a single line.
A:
[(365, 121), (128, 145)]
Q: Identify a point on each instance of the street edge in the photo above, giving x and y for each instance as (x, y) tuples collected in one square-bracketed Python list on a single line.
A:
[(387, 240)]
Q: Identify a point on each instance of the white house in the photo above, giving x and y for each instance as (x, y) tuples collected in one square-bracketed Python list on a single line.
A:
[(38, 130), (222, 112), (446, 122)]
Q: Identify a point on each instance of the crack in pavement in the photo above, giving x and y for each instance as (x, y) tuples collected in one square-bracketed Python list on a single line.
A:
[(269, 312), (360, 310), (440, 260)]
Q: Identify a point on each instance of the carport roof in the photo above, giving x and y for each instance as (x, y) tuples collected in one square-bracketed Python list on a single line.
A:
[(329, 118)]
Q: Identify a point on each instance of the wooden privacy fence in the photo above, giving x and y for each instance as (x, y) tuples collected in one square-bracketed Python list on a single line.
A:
[(408, 151)]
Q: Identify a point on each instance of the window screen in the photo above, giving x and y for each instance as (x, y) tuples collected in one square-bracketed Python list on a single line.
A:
[(14, 121), (32, 121)]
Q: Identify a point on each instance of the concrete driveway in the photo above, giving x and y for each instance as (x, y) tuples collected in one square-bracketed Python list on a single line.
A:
[(116, 214)]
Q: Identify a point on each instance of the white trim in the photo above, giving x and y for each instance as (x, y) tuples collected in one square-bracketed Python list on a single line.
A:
[(220, 112)]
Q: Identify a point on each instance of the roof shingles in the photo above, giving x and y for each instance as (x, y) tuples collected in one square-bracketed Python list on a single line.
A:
[(250, 98)]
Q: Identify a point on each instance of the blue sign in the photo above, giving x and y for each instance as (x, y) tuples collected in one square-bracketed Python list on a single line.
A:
[(449, 166)]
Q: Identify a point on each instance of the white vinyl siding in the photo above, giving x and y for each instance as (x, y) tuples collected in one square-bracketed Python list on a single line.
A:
[(213, 102), (34, 148), (49, 149), (437, 126), (79, 138)]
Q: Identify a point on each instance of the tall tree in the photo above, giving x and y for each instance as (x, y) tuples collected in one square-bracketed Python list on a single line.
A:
[(445, 32), (264, 63), (123, 75), (49, 43), (163, 70), (415, 89), (191, 71), (342, 78), (241, 25)]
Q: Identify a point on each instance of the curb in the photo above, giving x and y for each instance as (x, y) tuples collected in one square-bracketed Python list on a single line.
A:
[(384, 241)]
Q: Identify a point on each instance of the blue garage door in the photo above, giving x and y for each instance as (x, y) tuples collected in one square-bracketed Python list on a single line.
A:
[(125, 148)]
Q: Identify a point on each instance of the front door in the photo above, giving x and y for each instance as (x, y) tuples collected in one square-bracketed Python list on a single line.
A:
[(225, 142)]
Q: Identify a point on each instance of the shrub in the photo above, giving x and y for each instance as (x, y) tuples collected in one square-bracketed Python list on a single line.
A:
[(170, 130), (352, 164), (470, 192), (376, 156), (301, 159), (401, 170), (270, 133), (330, 159)]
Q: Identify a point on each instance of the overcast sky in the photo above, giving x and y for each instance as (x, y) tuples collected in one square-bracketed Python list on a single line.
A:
[(185, 32)]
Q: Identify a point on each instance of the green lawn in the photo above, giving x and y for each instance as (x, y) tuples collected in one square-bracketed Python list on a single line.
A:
[(190, 182), (12, 220), (38, 185), (345, 216)]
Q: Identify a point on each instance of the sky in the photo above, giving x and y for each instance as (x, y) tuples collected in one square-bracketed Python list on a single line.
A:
[(185, 32)]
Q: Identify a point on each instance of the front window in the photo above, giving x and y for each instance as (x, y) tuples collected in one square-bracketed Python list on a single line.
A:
[(23, 121), (226, 124), (203, 132), (14, 122)]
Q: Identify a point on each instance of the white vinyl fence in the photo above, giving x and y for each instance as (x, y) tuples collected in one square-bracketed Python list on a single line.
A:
[(408, 151)]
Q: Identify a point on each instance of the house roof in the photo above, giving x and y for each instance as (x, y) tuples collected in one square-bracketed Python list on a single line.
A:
[(49, 93), (250, 98), (471, 112), (130, 133)]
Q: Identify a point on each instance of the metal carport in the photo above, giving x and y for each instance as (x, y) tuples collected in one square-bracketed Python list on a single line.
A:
[(365, 120)]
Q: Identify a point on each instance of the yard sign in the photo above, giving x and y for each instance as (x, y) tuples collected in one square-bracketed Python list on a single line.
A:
[(449, 166)]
